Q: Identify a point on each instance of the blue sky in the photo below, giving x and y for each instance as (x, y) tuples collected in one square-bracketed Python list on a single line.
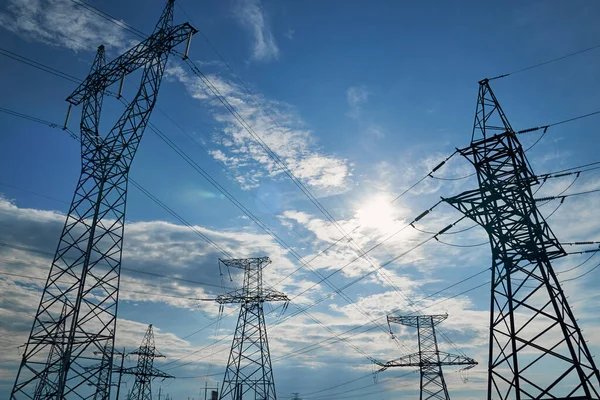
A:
[(364, 98)]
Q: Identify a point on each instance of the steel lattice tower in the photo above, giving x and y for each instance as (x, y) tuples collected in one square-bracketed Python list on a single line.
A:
[(429, 358), (249, 374), (81, 292), (145, 372), (536, 349)]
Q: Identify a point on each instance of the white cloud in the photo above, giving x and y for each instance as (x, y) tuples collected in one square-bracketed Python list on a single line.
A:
[(291, 141), (61, 23), (251, 15)]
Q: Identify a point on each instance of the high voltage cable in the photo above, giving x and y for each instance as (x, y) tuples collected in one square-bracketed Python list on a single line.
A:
[(479, 273), (305, 311), (545, 127), (255, 219), (124, 290), (359, 388), (46, 123), (294, 179), (548, 198), (545, 62), (416, 311), (39, 66), (29, 249), (110, 18), (580, 276), (314, 200), (572, 119), (267, 229), (32, 192)]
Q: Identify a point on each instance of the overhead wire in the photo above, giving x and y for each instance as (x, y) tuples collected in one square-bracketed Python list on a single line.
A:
[(546, 62), (571, 119), (451, 155), (350, 302), (244, 124)]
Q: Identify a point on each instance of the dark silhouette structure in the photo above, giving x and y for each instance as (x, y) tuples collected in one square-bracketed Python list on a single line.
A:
[(249, 374), (74, 326), (429, 358), (536, 349), (145, 371)]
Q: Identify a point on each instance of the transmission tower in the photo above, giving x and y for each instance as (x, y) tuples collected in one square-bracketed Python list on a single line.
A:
[(249, 374), (145, 372), (429, 358), (536, 349), (81, 291)]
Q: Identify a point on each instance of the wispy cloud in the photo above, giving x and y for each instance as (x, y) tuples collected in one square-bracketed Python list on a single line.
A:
[(237, 149), (61, 23), (252, 16), (356, 97)]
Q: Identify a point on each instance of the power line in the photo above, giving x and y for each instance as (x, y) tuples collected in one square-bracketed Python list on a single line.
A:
[(181, 153), (39, 66), (32, 250), (32, 192), (580, 276), (548, 198), (110, 18), (272, 234), (546, 62)]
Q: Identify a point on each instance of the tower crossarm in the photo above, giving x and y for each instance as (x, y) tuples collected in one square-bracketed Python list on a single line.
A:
[(427, 359), (414, 320), (128, 62), (150, 373), (241, 296)]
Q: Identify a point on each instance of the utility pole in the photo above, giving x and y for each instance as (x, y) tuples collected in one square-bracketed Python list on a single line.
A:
[(82, 288), (145, 372), (429, 358), (536, 348), (159, 393), (249, 366)]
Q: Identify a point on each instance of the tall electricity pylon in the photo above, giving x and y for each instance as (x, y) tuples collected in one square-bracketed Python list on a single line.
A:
[(429, 358), (249, 373), (145, 372), (536, 349), (82, 288)]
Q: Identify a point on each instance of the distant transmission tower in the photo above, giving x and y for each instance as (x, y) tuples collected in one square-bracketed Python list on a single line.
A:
[(536, 349), (249, 374), (81, 292), (145, 372), (429, 358)]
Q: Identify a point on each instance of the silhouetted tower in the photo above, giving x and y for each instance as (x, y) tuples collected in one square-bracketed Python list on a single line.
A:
[(536, 349), (145, 372), (429, 358), (249, 374), (82, 288)]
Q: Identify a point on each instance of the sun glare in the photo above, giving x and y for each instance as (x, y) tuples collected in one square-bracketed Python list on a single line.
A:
[(377, 212)]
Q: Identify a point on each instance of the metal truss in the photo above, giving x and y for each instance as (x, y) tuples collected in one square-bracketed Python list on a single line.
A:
[(429, 359), (536, 348), (145, 371), (249, 374), (81, 292)]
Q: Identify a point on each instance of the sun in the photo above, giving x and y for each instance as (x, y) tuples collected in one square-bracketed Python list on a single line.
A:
[(377, 212)]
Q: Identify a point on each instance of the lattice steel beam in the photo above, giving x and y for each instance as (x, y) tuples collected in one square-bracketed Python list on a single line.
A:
[(536, 348), (81, 292), (145, 371), (249, 373), (429, 358)]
